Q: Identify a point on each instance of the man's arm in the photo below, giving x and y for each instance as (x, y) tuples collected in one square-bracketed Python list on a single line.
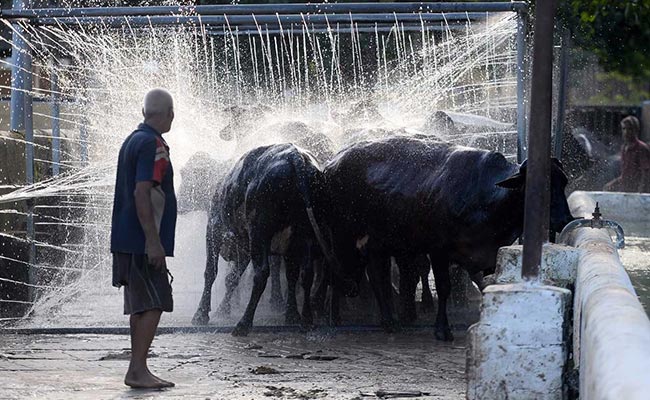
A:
[(144, 208)]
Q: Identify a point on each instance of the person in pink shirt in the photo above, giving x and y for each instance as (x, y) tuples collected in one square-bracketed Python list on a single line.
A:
[(635, 160)]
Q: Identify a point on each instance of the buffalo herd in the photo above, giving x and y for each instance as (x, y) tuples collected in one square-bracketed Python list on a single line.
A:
[(343, 217)]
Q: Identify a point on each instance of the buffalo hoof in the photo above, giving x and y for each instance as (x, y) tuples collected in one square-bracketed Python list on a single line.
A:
[(200, 318), (241, 330), (292, 318), (443, 334)]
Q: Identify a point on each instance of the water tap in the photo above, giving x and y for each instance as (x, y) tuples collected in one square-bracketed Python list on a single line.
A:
[(595, 223)]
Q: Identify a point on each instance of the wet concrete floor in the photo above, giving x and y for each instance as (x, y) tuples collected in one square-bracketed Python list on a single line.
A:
[(318, 365)]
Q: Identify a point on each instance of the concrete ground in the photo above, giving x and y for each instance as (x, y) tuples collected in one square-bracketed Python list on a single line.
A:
[(351, 365)]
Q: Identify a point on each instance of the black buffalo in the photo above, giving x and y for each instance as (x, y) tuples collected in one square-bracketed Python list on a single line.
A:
[(219, 241), (408, 196), (269, 202)]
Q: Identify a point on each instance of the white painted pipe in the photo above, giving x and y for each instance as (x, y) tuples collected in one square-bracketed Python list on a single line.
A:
[(611, 328)]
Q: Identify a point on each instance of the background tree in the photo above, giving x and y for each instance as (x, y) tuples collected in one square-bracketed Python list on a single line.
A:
[(617, 32)]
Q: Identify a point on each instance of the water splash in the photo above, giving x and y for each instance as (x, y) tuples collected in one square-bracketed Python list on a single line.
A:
[(401, 78)]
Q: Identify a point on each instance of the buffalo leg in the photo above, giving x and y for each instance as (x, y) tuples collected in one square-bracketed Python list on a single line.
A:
[(320, 284), (213, 244), (408, 280), (379, 275), (292, 316), (260, 259), (334, 309), (442, 330), (237, 269), (277, 302), (307, 282)]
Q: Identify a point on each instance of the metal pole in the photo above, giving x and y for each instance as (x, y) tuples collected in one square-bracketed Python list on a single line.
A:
[(522, 148), (272, 9), (562, 90), (536, 212), (56, 125), (271, 20), (29, 175), (21, 67)]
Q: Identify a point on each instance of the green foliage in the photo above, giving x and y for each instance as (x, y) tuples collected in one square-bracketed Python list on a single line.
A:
[(617, 31)]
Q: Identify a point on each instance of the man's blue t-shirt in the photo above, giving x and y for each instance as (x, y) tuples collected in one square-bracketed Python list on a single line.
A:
[(144, 156)]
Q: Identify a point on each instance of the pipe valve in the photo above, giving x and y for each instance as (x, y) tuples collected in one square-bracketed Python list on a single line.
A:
[(595, 223)]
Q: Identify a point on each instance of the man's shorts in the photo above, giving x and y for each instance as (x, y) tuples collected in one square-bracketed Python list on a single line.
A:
[(145, 286)]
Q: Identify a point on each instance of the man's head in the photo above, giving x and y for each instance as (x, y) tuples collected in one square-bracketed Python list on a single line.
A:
[(158, 109), (630, 127)]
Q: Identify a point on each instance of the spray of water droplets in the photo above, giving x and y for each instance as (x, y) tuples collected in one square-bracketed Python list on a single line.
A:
[(314, 78)]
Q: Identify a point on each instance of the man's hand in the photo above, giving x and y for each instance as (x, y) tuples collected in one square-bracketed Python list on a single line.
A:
[(156, 255)]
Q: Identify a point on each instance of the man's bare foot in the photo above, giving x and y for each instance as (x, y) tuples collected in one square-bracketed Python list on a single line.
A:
[(165, 382), (143, 381)]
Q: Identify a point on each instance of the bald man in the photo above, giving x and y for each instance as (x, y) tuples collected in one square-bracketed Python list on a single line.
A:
[(142, 232)]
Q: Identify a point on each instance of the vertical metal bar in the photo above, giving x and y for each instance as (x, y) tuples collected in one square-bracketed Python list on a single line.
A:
[(29, 179), (56, 126), (522, 148), (21, 67), (536, 213), (562, 91)]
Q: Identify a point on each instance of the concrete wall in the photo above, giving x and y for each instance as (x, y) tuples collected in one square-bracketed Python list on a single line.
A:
[(611, 328), (519, 348)]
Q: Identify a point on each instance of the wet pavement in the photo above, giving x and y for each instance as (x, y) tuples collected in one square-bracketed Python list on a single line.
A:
[(350, 365)]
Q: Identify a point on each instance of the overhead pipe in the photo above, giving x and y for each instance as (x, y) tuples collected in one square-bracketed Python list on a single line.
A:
[(271, 20), (270, 9)]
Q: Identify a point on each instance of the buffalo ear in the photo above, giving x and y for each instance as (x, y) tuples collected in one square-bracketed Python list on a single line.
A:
[(515, 181)]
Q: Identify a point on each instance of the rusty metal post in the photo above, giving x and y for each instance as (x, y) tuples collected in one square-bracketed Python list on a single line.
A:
[(537, 206)]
